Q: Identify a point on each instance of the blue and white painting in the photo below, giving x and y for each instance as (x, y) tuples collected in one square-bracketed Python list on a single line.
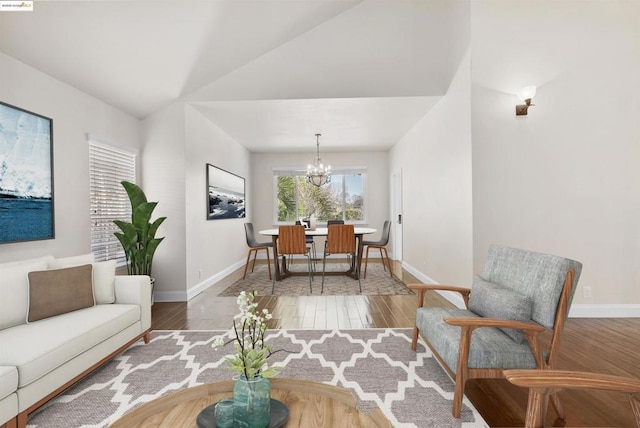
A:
[(26, 168), (225, 194)]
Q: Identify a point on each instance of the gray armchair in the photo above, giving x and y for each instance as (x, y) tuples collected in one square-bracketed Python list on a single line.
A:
[(519, 295)]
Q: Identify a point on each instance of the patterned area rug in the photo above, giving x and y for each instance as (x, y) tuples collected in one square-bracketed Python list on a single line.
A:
[(377, 365), (378, 282)]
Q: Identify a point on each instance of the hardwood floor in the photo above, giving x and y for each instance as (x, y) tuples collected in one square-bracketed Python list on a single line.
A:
[(591, 344)]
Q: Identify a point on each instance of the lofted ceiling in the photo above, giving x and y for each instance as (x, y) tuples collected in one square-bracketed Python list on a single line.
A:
[(270, 73)]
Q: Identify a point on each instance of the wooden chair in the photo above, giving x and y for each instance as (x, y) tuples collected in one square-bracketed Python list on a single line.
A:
[(310, 241), (543, 384), (519, 295), (254, 247), (382, 246), (341, 239), (292, 241)]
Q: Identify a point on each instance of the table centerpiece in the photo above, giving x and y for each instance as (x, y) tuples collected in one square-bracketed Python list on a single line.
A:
[(252, 390)]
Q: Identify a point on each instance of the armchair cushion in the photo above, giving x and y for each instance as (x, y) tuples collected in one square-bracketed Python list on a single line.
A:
[(490, 347), (539, 276), (491, 300)]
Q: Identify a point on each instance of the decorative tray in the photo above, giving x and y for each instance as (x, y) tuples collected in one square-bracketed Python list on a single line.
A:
[(279, 415)]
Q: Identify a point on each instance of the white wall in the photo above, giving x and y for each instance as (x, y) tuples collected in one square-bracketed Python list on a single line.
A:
[(435, 159), (163, 180), (215, 248), (566, 178), (74, 114), (376, 186)]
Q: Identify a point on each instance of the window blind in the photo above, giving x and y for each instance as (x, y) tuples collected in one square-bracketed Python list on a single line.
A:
[(108, 166)]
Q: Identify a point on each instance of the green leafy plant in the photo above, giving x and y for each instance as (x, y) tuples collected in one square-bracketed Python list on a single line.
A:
[(138, 237), (249, 327)]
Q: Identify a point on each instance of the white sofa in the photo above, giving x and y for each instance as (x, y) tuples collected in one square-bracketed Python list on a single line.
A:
[(42, 353)]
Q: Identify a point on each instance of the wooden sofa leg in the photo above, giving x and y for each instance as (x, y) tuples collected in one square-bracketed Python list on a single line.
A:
[(414, 341), (21, 419), (11, 423), (146, 337)]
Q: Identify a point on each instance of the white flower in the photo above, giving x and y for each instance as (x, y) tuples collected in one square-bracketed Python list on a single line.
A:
[(249, 328)]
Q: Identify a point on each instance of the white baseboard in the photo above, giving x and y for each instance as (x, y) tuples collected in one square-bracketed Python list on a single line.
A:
[(451, 296), (170, 296), (185, 296), (576, 311), (604, 311)]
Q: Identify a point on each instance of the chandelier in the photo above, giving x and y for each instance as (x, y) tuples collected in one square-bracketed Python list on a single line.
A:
[(318, 174)]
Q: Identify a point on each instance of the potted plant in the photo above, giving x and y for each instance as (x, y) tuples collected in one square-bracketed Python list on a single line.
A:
[(138, 237), (252, 390)]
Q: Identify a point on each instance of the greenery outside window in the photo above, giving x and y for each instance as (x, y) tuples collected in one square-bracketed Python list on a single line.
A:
[(342, 199)]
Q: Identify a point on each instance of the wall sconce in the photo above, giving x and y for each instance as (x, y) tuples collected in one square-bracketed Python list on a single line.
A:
[(525, 94)]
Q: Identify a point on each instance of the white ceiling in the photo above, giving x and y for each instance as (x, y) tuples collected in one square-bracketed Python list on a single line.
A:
[(270, 73)]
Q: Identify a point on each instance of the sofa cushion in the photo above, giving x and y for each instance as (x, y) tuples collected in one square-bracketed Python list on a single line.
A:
[(8, 408), (490, 347), (58, 291), (491, 300), (8, 381), (14, 289), (40, 347), (104, 278)]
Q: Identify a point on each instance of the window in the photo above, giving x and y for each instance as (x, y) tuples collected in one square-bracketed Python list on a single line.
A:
[(108, 166), (342, 199)]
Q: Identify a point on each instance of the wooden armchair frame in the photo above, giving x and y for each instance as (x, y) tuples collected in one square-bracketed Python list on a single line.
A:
[(543, 384), (530, 329)]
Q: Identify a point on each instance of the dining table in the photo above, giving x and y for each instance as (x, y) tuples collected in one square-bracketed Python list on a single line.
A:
[(353, 271)]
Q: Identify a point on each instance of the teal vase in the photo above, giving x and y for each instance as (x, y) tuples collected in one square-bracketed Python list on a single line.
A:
[(251, 403)]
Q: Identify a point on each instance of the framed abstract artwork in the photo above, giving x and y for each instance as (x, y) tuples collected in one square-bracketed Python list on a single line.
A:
[(26, 175), (225, 194)]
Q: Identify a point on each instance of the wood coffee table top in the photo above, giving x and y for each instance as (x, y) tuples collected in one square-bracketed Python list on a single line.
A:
[(311, 404)]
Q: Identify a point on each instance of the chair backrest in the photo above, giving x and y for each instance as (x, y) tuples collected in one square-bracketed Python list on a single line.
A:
[(251, 237), (301, 223), (386, 230), (341, 239), (335, 222), (541, 277), (291, 240)]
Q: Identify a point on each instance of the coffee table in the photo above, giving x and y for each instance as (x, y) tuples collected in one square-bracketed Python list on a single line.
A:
[(311, 404)]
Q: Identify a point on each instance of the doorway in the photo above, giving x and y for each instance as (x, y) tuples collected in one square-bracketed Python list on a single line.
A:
[(396, 221)]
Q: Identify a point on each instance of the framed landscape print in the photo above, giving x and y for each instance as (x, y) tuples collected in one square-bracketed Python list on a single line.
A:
[(225, 194), (26, 175)]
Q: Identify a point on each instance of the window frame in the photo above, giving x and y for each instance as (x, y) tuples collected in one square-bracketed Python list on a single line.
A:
[(108, 200), (297, 172)]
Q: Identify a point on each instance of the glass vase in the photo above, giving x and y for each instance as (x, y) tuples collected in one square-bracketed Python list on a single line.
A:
[(251, 403)]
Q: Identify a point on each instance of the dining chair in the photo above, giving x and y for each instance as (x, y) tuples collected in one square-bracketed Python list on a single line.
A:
[(254, 247), (292, 241), (311, 242), (332, 222), (341, 239), (381, 245)]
